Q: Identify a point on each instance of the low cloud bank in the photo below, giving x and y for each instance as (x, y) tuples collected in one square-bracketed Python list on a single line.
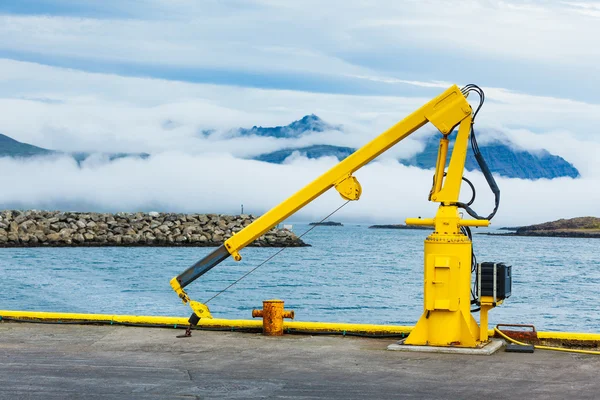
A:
[(221, 183), (191, 172)]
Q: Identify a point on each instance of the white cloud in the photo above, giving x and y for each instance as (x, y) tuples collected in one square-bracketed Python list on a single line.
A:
[(591, 9), (530, 30), (216, 42), (113, 113), (212, 35), (221, 183), (338, 38), (105, 112)]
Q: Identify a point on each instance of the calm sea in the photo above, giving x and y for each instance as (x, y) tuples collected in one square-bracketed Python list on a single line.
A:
[(350, 274)]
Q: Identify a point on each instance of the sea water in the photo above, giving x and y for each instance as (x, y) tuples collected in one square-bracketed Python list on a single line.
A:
[(349, 274)]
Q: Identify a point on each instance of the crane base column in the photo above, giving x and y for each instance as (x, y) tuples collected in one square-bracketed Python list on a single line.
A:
[(446, 319)]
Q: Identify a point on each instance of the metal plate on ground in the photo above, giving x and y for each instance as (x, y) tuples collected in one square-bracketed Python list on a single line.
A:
[(517, 348), (488, 349)]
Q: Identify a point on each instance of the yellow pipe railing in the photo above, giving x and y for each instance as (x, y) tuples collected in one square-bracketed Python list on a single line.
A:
[(250, 324), (204, 323), (591, 337), (537, 346)]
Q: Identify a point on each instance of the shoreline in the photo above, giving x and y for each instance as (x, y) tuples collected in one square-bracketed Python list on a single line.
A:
[(32, 228), (574, 235)]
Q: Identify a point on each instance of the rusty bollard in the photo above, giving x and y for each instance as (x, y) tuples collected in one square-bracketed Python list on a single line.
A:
[(273, 315)]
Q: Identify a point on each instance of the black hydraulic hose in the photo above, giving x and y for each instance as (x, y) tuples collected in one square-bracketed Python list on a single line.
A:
[(480, 161), (488, 177)]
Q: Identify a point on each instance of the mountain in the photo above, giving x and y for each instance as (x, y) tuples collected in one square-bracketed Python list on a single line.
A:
[(316, 151), (10, 147), (501, 158), (308, 123)]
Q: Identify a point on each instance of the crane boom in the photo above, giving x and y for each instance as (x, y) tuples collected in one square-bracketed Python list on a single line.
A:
[(445, 112)]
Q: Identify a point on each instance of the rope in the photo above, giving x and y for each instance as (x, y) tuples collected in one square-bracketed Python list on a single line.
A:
[(270, 258)]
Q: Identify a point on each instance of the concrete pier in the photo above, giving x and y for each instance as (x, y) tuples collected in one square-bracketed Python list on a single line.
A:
[(40, 361)]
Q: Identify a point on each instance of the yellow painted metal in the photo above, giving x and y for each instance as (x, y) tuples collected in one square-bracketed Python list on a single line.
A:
[(440, 166), (349, 188), (273, 315), (447, 319), (206, 323), (179, 290), (451, 189), (537, 346), (200, 309), (474, 222), (340, 327), (420, 222), (486, 304), (483, 323), (584, 337), (462, 222), (54, 316), (444, 111)]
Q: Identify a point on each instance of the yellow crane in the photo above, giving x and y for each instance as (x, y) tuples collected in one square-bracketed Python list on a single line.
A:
[(449, 261)]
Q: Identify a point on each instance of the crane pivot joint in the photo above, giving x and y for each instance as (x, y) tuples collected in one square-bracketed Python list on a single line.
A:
[(200, 309), (179, 290), (349, 188)]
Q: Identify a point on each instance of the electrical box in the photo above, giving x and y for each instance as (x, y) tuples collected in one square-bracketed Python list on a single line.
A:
[(494, 280)]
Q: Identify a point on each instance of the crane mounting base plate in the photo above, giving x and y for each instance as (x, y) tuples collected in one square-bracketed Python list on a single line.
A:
[(488, 349)]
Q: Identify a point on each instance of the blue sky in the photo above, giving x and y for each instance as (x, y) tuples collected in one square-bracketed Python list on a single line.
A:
[(150, 75), (541, 48)]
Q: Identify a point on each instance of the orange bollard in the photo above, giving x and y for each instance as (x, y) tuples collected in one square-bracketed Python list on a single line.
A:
[(273, 315)]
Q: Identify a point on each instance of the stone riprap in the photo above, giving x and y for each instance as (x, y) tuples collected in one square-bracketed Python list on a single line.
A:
[(54, 229)]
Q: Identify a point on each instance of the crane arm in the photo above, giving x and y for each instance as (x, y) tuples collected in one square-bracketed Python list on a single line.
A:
[(445, 112)]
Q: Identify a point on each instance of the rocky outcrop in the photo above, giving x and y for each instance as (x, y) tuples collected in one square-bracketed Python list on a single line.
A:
[(581, 227), (559, 233), (54, 228), (327, 223), (579, 223)]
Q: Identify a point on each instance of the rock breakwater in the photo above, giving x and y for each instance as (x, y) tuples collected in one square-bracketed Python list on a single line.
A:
[(55, 229)]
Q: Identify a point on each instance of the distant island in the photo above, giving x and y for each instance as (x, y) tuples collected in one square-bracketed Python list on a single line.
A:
[(580, 227), (327, 223), (400, 226)]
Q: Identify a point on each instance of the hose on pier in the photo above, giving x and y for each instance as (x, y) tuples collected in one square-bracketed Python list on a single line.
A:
[(537, 346)]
